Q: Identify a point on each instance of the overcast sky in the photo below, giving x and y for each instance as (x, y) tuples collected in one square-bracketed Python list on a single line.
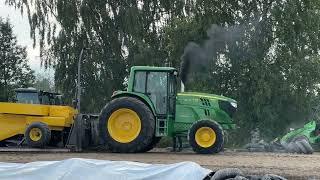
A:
[(22, 30)]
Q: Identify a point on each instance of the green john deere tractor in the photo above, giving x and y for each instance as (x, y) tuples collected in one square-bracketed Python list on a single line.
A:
[(136, 119)]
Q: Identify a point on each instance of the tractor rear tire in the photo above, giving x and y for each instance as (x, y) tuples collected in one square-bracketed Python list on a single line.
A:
[(127, 125), (206, 137), (154, 142), (37, 135)]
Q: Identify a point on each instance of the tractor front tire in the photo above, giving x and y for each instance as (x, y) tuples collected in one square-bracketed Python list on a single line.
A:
[(206, 137), (127, 125), (37, 135)]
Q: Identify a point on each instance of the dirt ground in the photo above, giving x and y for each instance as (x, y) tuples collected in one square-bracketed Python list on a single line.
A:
[(291, 166)]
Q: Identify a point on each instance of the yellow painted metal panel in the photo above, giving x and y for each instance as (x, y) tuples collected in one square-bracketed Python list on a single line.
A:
[(25, 109), (63, 111), (50, 121), (11, 125)]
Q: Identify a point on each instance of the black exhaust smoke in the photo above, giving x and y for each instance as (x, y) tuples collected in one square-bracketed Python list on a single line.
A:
[(193, 55), (198, 58)]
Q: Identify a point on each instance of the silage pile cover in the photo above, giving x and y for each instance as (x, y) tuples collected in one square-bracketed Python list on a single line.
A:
[(87, 169)]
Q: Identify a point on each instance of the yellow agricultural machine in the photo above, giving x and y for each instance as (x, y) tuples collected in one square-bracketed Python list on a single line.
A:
[(36, 118)]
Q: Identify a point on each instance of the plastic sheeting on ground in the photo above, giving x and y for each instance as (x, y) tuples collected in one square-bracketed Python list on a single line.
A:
[(87, 169)]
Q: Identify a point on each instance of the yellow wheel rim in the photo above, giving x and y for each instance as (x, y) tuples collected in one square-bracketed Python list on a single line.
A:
[(124, 125), (205, 137), (35, 134)]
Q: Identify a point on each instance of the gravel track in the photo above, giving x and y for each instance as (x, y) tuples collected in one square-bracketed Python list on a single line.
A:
[(292, 166)]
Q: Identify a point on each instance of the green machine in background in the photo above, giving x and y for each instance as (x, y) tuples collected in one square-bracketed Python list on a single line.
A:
[(150, 108), (306, 139), (302, 140), (310, 131)]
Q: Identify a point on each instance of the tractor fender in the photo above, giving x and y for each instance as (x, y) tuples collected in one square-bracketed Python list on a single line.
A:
[(142, 97)]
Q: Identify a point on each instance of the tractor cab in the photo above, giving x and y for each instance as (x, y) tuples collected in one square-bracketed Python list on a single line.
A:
[(34, 96), (157, 83)]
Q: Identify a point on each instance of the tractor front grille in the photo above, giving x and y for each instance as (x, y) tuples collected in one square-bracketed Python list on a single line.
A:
[(227, 107)]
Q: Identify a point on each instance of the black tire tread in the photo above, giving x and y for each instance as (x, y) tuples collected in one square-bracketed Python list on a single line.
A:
[(227, 173), (307, 146), (301, 148), (154, 142), (303, 144)]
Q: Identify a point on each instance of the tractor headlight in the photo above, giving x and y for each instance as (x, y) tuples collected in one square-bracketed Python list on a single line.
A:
[(234, 104)]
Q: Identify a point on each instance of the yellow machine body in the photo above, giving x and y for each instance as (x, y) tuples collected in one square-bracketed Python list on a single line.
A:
[(15, 117)]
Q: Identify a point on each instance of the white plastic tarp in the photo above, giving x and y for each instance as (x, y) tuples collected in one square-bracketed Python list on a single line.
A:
[(87, 169)]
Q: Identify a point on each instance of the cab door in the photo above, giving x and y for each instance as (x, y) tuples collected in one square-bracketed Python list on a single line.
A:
[(157, 90), (154, 84)]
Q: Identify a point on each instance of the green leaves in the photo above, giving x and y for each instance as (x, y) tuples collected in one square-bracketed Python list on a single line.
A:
[(272, 69), (14, 69)]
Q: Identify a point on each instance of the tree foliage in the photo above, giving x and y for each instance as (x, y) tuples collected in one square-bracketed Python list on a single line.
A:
[(14, 69), (270, 67), (45, 82), (269, 63)]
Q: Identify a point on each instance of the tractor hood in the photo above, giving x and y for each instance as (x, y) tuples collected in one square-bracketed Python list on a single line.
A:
[(208, 106), (196, 95)]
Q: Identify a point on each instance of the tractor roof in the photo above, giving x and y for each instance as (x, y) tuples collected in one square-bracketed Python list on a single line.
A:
[(33, 90), (151, 68)]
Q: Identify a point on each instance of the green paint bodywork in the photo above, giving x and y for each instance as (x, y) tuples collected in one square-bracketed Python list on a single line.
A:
[(308, 131), (189, 106)]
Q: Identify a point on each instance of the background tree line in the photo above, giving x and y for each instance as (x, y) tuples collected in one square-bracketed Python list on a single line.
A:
[(268, 61), (15, 71)]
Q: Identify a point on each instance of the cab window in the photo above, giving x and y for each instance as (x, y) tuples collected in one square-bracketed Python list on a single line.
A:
[(139, 84), (157, 88), (27, 98)]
